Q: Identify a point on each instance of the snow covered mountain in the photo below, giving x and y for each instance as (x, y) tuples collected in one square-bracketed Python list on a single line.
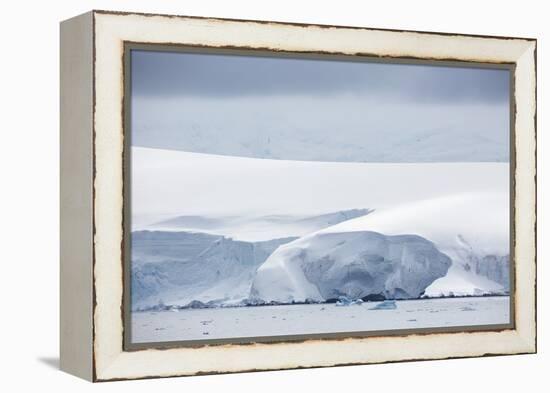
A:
[(420, 133), (378, 254)]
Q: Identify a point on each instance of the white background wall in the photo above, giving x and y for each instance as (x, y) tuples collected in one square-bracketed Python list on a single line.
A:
[(29, 195)]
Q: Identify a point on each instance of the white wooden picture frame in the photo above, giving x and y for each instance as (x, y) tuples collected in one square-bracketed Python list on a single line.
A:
[(92, 194)]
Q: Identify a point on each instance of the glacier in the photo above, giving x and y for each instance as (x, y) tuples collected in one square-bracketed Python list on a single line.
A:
[(448, 246), (398, 252), (188, 227), (177, 268)]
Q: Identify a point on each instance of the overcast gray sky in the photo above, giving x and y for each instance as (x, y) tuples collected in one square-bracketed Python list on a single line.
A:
[(321, 110)]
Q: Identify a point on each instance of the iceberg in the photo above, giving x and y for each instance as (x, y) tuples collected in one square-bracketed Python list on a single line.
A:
[(385, 305), (346, 301)]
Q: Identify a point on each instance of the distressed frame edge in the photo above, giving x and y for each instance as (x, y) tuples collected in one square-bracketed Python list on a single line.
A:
[(526, 339), (305, 24), (526, 181)]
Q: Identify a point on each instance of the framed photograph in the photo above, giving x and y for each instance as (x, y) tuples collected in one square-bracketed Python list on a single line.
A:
[(246, 195)]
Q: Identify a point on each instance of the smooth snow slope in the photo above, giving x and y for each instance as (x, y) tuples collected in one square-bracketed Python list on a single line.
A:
[(478, 220), (167, 184), (472, 229)]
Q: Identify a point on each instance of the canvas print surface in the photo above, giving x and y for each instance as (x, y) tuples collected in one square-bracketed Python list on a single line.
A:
[(274, 197)]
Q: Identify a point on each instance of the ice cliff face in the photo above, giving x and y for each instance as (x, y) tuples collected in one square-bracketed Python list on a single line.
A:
[(354, 264), (197, 258), (473, 274), (179, 267), (495, 268)]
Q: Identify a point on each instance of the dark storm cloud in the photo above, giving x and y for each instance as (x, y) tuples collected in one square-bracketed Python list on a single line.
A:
[(162, 74)]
